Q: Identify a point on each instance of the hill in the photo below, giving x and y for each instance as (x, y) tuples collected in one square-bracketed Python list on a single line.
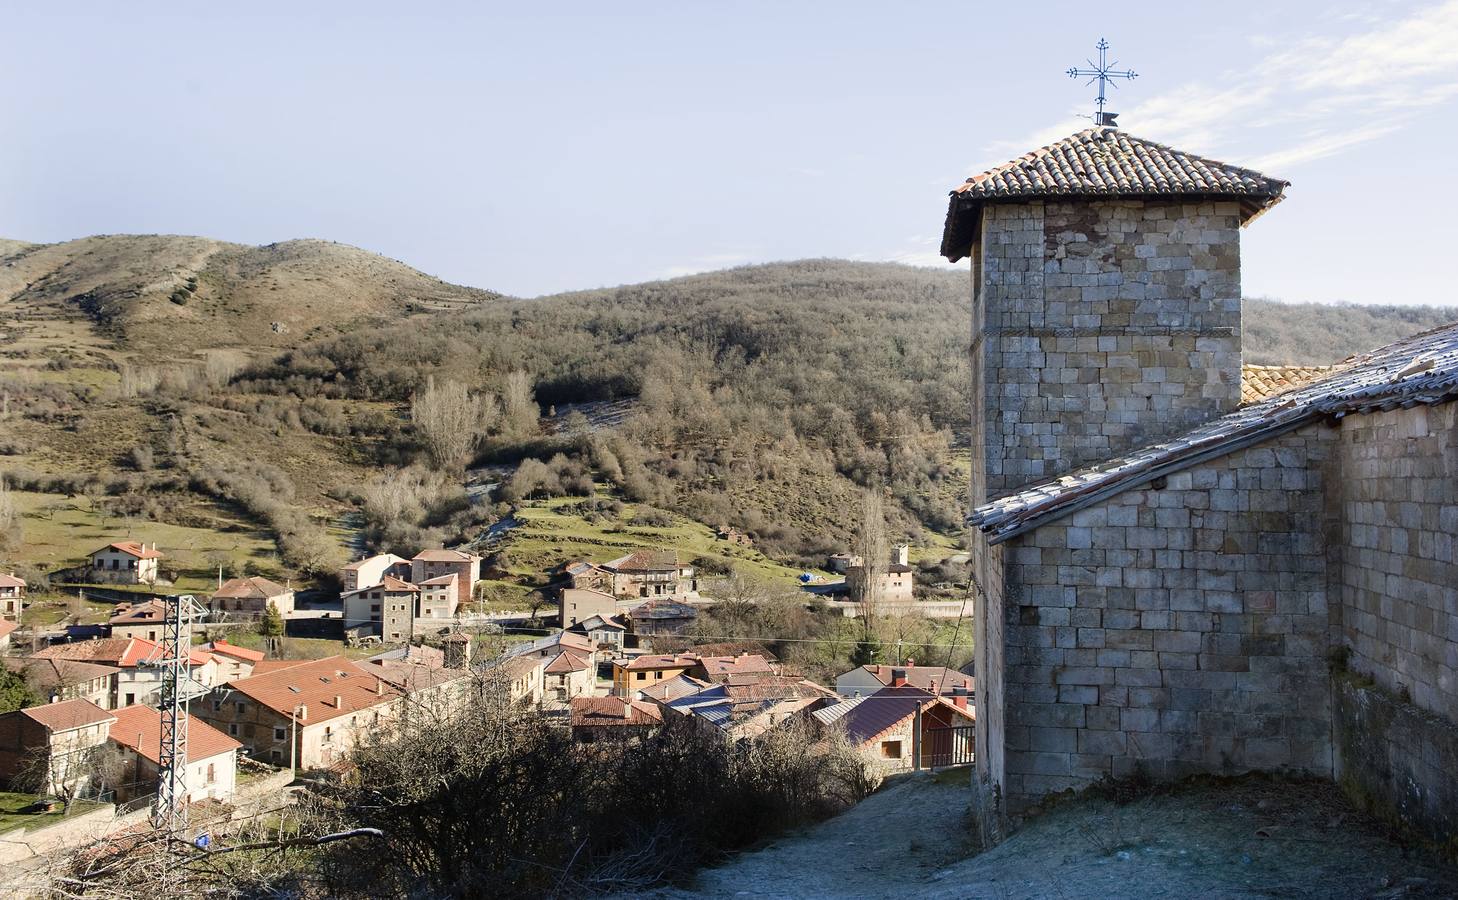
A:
[(185, 379)]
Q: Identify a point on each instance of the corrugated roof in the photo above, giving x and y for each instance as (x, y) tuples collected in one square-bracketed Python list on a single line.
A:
[(662, 608), (140, 728), (866, 717), (67, 714), (1418, 370), (672, 688), (1103, 162)]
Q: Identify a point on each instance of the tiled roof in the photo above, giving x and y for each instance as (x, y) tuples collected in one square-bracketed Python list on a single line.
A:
[(566, 662), (1419, 370), (440, 580), (1103, 162), (660, 661), (445, 556), (645, 561), (223, 648), (253, 588), (123, 652), (140, 729), (547, 644), (149, 613), (744, 664), (49, 674), (662, 608), (866, 717), (419, 654), (412, 675), (937, 679), (316, 684), (1259, 383), (7, 626), (11, 581), (360, 563), (131, 548), (672, 688), (67, 714), (609, 712), (745, 697), (514, 667)]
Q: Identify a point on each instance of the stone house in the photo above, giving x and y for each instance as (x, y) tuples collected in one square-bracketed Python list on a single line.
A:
[(12, 597), (867, 680), (613, 719), (660, 617), (387, 610), (1167, 572), (371, 570), (124, 562), (900, 727), (212, 757), (576, 605), (568, 675), (65, 679), (651, 573), (733, 536), (898, 582), (841, 562), (587, 576), (606, 633), (63, 737), (250, 597), (307, 715), (233, 662), (145, 620), (439, 599), (432, 564)]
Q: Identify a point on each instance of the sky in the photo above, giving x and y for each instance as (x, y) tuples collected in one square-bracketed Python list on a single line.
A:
[(535, 148)]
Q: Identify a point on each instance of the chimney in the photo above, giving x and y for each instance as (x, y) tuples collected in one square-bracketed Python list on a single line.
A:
[(959, 696), (303, 713), (910, 663), (898, 677), (339, 701), (379, 688), (627, 708)]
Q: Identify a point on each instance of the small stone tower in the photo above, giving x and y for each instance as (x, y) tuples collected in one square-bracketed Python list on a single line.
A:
[(1106, 300)]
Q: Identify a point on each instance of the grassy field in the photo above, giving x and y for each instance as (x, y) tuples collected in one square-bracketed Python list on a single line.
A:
[(59, 531), (11, 816), (550, 535)]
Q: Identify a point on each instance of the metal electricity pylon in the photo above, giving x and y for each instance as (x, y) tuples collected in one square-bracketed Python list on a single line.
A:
[(174, 651)]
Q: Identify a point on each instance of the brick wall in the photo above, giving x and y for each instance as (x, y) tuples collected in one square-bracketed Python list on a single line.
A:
[(1177, 630), (1106, 325)]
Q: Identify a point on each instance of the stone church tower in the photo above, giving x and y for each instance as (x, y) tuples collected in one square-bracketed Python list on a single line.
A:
[(1106, 300), (1106, 317)]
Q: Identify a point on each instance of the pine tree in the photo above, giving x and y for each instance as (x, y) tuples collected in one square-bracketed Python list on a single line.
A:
[(273, 623), (15, 693)]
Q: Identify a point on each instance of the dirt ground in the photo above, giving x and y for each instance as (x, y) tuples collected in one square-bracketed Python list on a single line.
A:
[(1244, 839)]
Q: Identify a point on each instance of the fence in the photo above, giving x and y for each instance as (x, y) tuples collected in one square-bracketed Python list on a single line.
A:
[(947, 745)]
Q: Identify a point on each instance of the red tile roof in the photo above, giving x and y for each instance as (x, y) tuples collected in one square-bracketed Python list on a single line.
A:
[(139, 728), (7, 626), (316, 684), (67, 714), (937, 679), (719, 667), (445, 556), (391, 583), (252, 588), (566, 662), (645, 561), (223, 648), (613, 712), (124, 652), (149, 612), (661, 661), (11, 581), (131, 548), (49, 674)]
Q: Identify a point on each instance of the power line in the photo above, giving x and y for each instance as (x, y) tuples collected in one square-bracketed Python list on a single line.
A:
[(742, 639)]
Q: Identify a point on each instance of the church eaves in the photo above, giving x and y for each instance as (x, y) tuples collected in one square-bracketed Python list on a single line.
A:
[(1103, 163), (1419, 370)]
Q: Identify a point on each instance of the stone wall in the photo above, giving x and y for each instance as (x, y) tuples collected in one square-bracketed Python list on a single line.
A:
[(1107, 325), (1175, 630)]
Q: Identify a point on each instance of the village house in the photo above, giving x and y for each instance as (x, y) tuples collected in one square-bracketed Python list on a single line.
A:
[(424, 681), (138, 678), (386, 610), (12, 597), (1168, 567), (234, 662), (661, 692), (6, 627), (597, 720), (124, 562), (660, 617), (840, 563), (371, 570), (456, 650), (568, 675), (548, 647), (62, 738), (523, 676), (212, 757), (902, 727), (866, 680), (576, 605), (898, 582), (586, 576), (644, 671), (733, 536), (748, 705), (145, 619), (606, 632), (250, 597), (433, 564), (64, 679), (718, 669), (652, 573), (307, 715)]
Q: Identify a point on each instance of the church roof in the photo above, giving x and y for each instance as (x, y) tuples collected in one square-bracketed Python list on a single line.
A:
[(1418, 370), (1259, 383), (1103, 162)]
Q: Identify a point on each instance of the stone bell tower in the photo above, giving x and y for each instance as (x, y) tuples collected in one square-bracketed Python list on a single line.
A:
[(1105, 317), (1106, 299)]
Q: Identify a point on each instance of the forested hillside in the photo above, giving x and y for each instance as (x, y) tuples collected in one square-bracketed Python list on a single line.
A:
[(185, 380)]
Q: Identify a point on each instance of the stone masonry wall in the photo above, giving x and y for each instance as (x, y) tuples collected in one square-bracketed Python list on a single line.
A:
[(1107, 324), (1182, 629)]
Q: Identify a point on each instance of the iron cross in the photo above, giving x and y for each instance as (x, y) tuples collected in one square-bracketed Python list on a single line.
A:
[(1103, 72)]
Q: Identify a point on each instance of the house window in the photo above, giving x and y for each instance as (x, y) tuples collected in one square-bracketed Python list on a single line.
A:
[(642, 676), (242, 707), (328, 735), (131, 698), (232, 729), (890, 749), (279, 733), (275, 756), (212, 775), (217, 706)]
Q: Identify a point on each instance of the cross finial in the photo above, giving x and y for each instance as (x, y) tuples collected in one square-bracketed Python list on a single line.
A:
[(1103, 72)]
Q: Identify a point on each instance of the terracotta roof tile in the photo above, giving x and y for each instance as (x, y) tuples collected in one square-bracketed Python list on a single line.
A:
[(223, 648), (566, 662), (11, 581), (140, 729), (131, 548), (1103, 162), (937, 679), (744, 664), (253, 588), (1259, 383), (67, 714), (7, 626), (445, 556), (49, 674), (613, 711), (149, 612), (316, 684)]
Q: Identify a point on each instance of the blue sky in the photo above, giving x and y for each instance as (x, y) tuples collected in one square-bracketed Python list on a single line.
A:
[(588, 144)]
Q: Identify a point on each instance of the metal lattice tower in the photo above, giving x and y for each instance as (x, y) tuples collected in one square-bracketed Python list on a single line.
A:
[(169, 811), (1103, 72)]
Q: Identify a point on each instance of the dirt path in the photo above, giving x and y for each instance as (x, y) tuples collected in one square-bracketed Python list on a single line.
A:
[(1249, 839)]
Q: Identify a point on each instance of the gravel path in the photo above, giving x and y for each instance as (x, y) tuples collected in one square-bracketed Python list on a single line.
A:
[(1246, 839)]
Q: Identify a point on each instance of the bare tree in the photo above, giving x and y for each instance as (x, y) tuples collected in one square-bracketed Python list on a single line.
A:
[(450, 421), (220, 366), (71, 772), (872, 548), (10, 530), (521, 412)]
